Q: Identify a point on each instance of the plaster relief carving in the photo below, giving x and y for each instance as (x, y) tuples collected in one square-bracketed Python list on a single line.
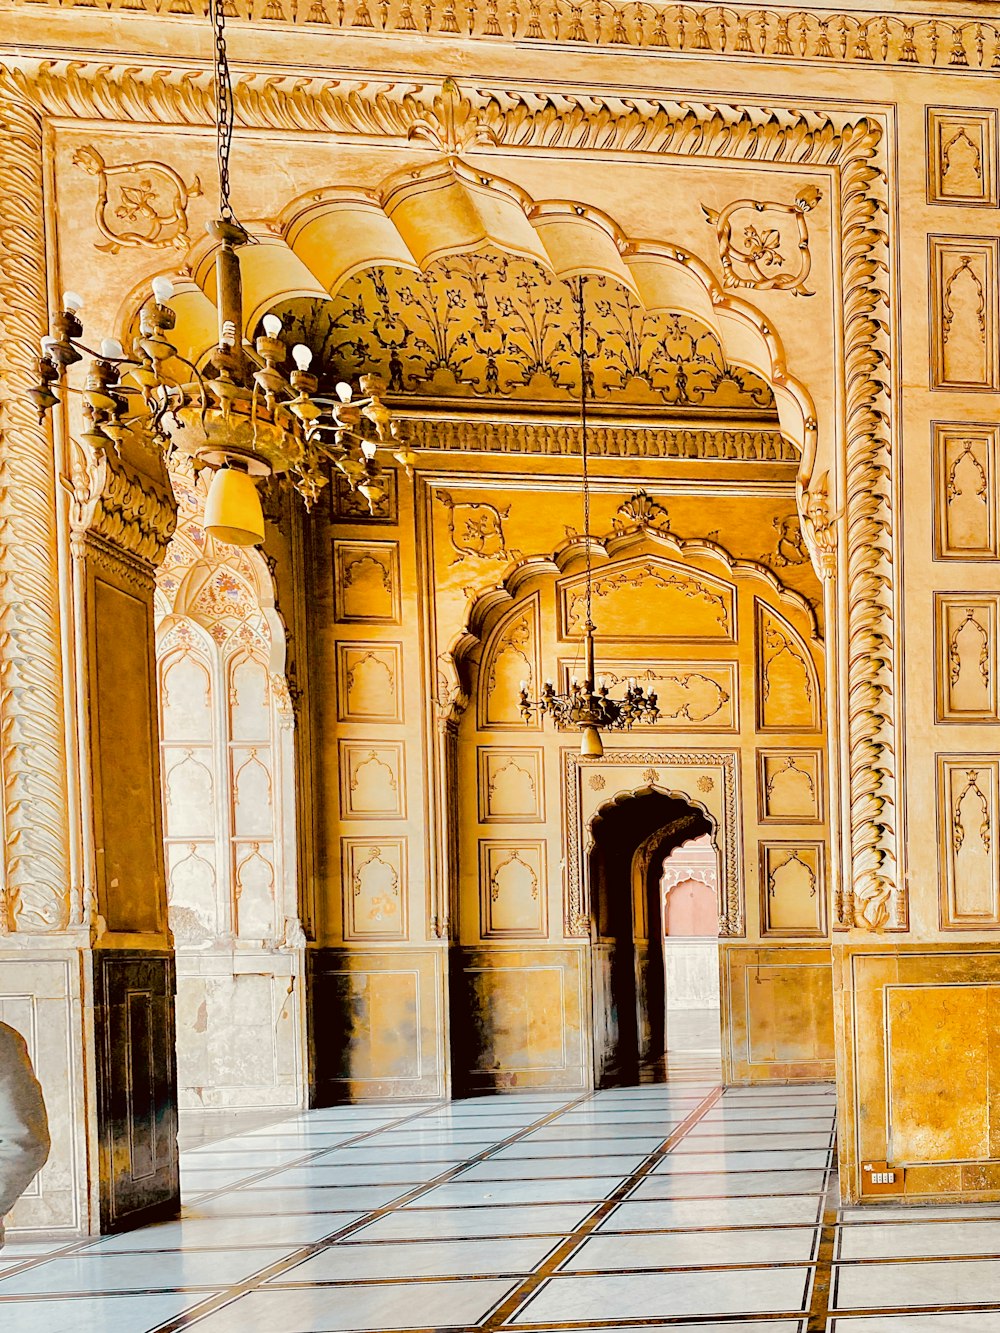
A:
[(961, 156), (512, 889), (967, 801), (140, 204), (254, 884), (790, 786), (190, 793), (692, 696), (964, 313), (366, 581), (965, 471), (772, 249), (475, 529), (688, 605), (793, 891), (191, 892), (789, 545), (788, 691), (510, 785), (374, 888), (371, 780), (510, 657), (640, 511), (966, 678), (369, 682), (649, 441)]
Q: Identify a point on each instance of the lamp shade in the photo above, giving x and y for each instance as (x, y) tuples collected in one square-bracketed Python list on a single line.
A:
[(591, 744), (232, 509)]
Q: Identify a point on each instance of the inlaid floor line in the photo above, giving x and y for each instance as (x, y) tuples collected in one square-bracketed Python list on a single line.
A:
[(521, 1296), (89, 1242), (819, 1297), (189, 1318)]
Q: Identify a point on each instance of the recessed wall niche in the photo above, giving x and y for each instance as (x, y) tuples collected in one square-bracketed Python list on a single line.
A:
[(512, 889), (961, 156), (371, 780), (792, 888), (965, 471), (966, 626), (374, 888), (789, 786)]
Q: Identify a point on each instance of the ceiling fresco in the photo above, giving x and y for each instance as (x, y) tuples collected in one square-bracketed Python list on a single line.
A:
[(489, 326)]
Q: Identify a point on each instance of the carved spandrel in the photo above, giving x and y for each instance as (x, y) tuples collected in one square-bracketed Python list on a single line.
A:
[(966, 501), (967, 841), (963, 280), (787, 686), (962, 157), (966, 628), (510, 658)]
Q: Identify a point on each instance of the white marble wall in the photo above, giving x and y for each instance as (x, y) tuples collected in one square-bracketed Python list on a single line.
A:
[(691, 966)]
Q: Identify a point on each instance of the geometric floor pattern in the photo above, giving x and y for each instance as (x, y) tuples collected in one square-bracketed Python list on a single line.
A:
[(663, 1207)]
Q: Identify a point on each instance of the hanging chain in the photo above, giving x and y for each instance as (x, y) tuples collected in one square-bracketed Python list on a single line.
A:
[(224, 105), (583, 446)]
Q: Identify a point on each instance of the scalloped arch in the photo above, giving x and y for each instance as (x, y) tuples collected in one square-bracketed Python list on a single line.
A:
[(446, 208)]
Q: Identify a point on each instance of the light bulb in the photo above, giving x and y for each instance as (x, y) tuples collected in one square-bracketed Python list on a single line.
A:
[(228, 334), (72, 302), (524, 687), (369, 448), (111, 347), (344, 392), (48, 342), (272, 325), (302, 356), (163, 290)]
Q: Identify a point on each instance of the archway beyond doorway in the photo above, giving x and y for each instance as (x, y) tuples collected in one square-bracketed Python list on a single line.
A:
[(630, 838)]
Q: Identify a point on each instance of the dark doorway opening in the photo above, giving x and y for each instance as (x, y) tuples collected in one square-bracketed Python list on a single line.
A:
[(631, 838)]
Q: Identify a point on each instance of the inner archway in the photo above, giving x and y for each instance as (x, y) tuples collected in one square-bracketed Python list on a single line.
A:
[(630, 839)]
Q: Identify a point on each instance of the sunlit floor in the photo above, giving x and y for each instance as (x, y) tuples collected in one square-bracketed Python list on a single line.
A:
[(667, 1206)]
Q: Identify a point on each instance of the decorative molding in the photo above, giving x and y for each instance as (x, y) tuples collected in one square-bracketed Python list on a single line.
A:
[(510, 656), (576, 906), (740, 33), (968, 847), (369, 682), (119, 510), (547, 440), (372, 780), (146, 208), (787, 687), (790, 786), (695, 605), (37, 892), (475, 529), (694, 695), (962, 156), (347, 506), (512, 889), (366, 582), (761, 262), (374, 888), (511, 785)]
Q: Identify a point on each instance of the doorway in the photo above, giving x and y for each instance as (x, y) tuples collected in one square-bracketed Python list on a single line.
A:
[(632, 837)]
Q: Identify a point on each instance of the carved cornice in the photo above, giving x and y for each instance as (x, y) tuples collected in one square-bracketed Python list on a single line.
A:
[(35, 893), (453, 120), (505, 437), (728, 32)]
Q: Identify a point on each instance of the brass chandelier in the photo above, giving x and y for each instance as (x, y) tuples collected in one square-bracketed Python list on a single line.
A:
[(587, 704), (241, 414)]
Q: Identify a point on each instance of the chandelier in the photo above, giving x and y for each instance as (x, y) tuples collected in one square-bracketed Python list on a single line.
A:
[(587, 704), (241, 414)]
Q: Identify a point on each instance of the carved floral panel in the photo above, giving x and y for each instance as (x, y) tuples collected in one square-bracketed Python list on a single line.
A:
[(965, 479), (967, 841), (792, 888), (366, 581), (691, 696), (790, 786), (510, 785), (686, 603), (371, 780), (369, 682), (962, 156), (512, 889), (374, 888), (966, 628), (963, 330)]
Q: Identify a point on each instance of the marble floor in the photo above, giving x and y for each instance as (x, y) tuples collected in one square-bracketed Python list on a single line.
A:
[(666, 1206)]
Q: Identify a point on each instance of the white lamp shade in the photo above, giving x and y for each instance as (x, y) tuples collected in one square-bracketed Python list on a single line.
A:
[(232, 509)]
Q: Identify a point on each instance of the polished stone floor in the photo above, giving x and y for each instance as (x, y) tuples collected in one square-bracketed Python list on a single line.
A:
[(666, 1206)]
